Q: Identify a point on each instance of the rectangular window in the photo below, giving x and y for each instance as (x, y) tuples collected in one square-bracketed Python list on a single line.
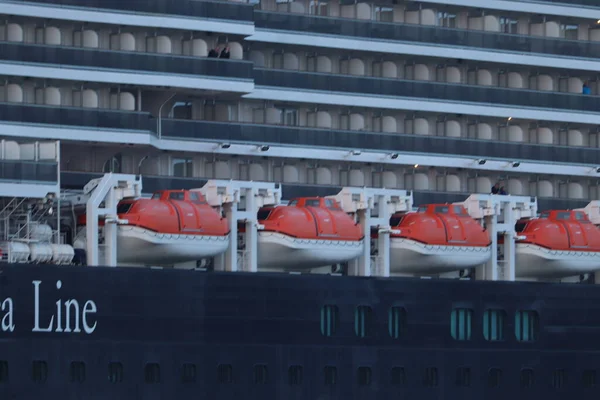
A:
[(260, 374), (362, 320), (77, 372), (527, 378), (225, 373), (526, 325), (508, 25), (364, 376), (188, 373), (39, 372), (570, 31), (463, 376), (3, 371), (397, 322), (460, 323), (330, 373), (329, 320), (398, 376), (447, 20), (383, 14), (494, 377), (182, 167), (559, 378), (295, 375), (430, 378), (589, 378), (493, 324), (115, 372), (152, 373)]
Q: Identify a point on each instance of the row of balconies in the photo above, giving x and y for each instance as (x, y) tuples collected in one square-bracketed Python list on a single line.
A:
[(418, 178)]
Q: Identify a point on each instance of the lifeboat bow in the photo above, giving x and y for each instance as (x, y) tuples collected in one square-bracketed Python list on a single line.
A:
[(438, 238)]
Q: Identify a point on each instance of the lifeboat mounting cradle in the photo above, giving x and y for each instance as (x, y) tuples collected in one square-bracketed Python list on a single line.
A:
[(499, 214), (359, 202), (240, 202)]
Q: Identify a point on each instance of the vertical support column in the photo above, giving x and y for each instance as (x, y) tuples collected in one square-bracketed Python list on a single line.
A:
[(362, 265), (490, 269), (509, 257), (383, 262), (251, 259), (91, 235), (231, 264), (110, 229)]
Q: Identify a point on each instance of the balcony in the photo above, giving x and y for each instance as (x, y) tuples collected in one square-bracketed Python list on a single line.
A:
[(384, 142), (20, 171), (433, 35), (426, 90), (188, 8), (76, 180), (76, 117), (120, 60)]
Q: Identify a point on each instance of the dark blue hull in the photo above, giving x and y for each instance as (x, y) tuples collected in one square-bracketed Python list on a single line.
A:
[(163, 334)]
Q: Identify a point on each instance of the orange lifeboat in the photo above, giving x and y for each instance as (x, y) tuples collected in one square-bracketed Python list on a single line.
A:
[(309, 232), (558, 244), (437, 238), (173, 226)]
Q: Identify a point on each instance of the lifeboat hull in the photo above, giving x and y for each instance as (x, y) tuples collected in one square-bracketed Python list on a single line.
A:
[(539, 262), (141, 246), (277, 251), (412, 257)]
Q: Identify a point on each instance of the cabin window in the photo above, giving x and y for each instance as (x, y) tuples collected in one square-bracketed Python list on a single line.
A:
[(124, 208), (526, 325), (463, 376), (430, 378), (493, 324), (520, 226), (545, 214), (559, 378), (398, 376), (196, 198), (329, 320), (458, 210), (460, 323), (331, 204), (588, 378), (152, 373), (156, 196), (330, 373), (441, 209), (494, 377), (580, 216), (563, 215), (115, 372), (188, 373), (225, 373), (362, 320), (422, 209), (527, 378), (295, 375), (263, 213), (293, 203), (260, 374), (39, 371), (182, 167), (177, 196), (397, 322), (77, 372), (3, 371), (364, 376), (312, 203), (395, 220)]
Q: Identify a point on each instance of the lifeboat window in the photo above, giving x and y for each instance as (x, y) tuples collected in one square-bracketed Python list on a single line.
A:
[(563, 215), (3, 371), (421, 209), (458, 210), (124, 208), (39, 371), (463, 376), (312, 203), (494, 377), (330, 373), (589, 378), (188, 373), (441, 209), (115, 372), (362, 320), (295, 374), (527, 378), (365, 376), (398, 376), (559, 378), (580, 216), (225, 373), (494, 322), (395, 221), (263, 213), (460, 323), (331, 204), (293, 203), (397, 322), (156, 196), (526, 325), (545, 214), (329, 319), (77, 372), (176, 195), (520, 226), (260, 374), (196, 198), (430, 379), (152, 373)]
